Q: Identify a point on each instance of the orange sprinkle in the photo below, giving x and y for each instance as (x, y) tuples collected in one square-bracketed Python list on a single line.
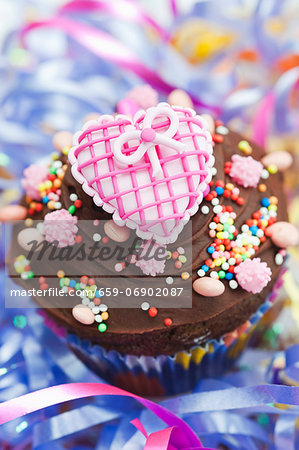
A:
[(262, 187)]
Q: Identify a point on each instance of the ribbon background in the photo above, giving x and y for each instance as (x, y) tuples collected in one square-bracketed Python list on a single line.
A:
[(59, 63)]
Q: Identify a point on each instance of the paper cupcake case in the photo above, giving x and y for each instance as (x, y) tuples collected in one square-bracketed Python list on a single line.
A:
[(167, 375)]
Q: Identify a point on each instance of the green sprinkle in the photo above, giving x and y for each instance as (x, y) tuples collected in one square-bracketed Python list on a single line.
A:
[(102, 327), (30, 274), (72, 209), (77, 286), (221, 274), (61, 282)]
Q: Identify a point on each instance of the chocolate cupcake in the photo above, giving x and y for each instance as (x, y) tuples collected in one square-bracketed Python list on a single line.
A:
[(189, 227)]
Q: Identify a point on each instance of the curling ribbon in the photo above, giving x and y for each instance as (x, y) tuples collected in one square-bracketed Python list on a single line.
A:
[(34, 401), (123, 9), (110, 49)]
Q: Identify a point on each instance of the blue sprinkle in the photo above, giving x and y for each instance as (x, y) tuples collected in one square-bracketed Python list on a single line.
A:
[(72, 283), (253, 229), (205, 268), (211, 249), (98, 294), (265, 202), (228, 276), (45, 199), (219, 190)]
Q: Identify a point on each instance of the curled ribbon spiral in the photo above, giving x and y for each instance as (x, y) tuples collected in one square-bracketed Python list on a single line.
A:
[(149, 138)]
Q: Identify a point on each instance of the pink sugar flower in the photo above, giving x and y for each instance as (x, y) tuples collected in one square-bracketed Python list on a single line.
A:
[(253, 275), (245, 170), (144, 95), (34, 176), (149, 261), (60, 226)]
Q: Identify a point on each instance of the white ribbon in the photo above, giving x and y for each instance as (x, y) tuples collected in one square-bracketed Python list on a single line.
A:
[(149, 138)]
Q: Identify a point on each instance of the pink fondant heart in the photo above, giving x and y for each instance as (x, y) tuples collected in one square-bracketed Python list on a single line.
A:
[(155, 206)]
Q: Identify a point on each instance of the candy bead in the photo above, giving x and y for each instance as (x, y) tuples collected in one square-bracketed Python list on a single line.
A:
[(62, 139), (28, 235), (83, 314), (208, 287), (178, 97), (281, 160), (283, 234), (12, 212), (115, 232)]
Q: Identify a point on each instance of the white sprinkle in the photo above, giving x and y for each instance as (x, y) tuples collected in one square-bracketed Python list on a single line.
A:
[(278, 259), (225, 234), (96, 237), (222, 130), (103, 307), (169, 280), (213, 226), (57, 205), (214, 274), (145, 306), (232, 228), (98, 318), (260, 233), (255, 241), (225, 266), (181, 250), (40, 227), (251, 251), (233, 284), (217, 209), (56, 164), (272, 213), (264, 174), (231, 261), (245, 228), (205, 209), (96, 310), (91, 305), (201, 273), (214, 171), (215, 201), (85, 301), (73, 197)]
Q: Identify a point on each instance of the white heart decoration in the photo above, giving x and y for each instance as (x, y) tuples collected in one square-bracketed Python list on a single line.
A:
[(150, 173)]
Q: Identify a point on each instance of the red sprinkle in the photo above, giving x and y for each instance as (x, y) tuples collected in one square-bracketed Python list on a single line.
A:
[(240, 201), (168, 321), (152, 311), (78, 203), (38, 207), (218, 138)]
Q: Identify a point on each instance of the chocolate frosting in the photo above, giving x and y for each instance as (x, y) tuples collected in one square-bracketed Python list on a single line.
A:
[(133, 331)]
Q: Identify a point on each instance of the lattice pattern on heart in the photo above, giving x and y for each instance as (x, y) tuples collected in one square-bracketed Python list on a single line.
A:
[(156, 206)]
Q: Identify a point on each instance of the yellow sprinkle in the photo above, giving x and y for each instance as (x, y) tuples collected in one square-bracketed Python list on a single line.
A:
[(185, 275), (272, 168), (48, 184), (41, 187), (65, 150), (264, 222), (28, 222), (104, 315), (182, 259), (221, 247), (229, 186), (272, 208), (273, 200), (245, 147), (21, 258), (51, 204), (218, 262), (54, 156)]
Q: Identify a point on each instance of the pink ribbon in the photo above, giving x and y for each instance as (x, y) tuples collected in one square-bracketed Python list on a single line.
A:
[(129, 11), (178, 436), (110, 49), (262, 120)]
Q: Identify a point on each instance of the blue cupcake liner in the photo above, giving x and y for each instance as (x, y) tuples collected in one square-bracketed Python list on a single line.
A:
[(167, 375)]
